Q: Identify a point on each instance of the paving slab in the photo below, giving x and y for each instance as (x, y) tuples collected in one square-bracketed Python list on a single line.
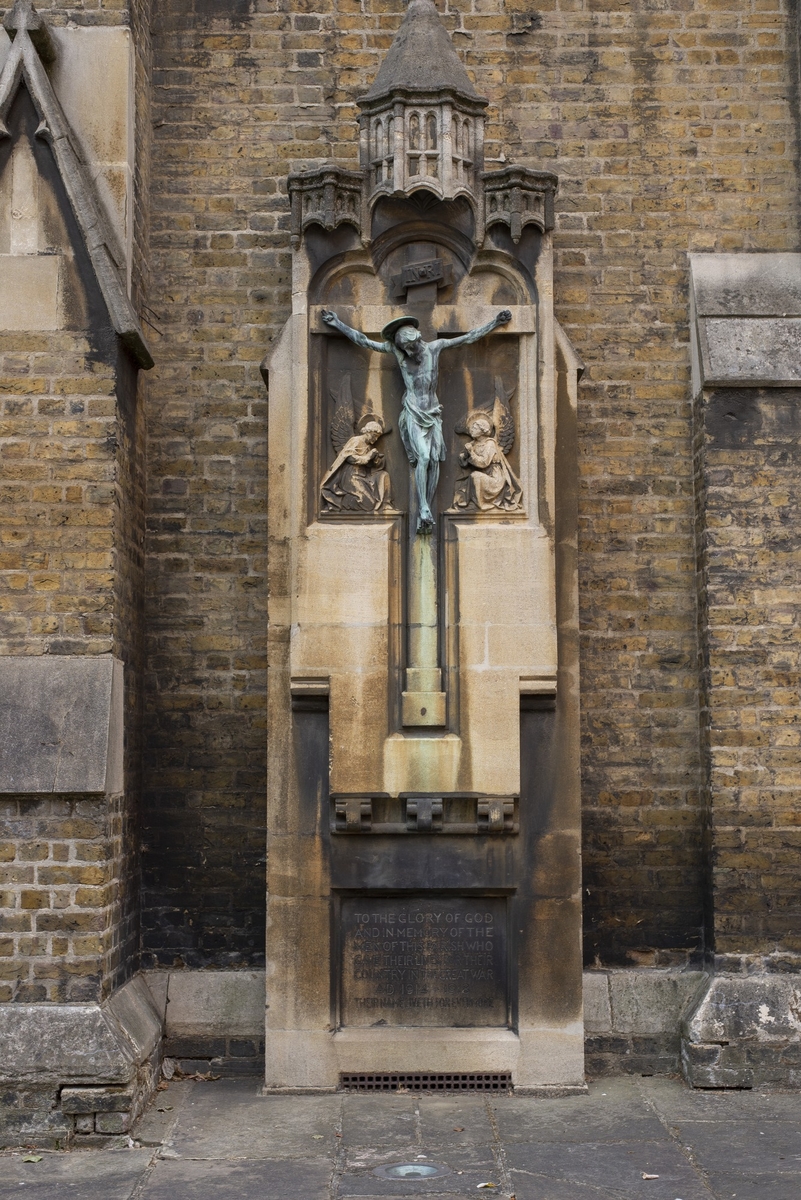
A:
[(614, 1110), (196, 1179), (757, 1187), (617, 1169), (468, 1166), (224, 1139), (751, 1147), (455, 1121), (677, 1102), (379, 1119), (81, 1175), (231, 1119)]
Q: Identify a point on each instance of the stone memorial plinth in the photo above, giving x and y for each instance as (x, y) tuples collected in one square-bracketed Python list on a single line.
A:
[(424, 858)]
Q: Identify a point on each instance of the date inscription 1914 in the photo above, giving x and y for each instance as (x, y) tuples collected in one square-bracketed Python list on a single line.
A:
[(424, 961)]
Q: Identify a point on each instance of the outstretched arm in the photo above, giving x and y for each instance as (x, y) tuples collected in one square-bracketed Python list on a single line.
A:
[(503, 318), (355, 335)]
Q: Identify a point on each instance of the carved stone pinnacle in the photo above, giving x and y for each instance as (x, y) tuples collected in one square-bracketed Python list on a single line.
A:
[(23, 18)]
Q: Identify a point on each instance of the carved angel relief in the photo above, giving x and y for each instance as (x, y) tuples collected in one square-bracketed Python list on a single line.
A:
[(357, 481), (491, 483)]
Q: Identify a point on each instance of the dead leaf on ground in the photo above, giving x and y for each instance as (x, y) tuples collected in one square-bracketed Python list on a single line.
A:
[(32, 1158), (458, 1129), (645, 1176)]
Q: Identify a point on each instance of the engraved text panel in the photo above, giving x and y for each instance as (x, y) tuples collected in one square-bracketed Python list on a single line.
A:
[(424, 961)]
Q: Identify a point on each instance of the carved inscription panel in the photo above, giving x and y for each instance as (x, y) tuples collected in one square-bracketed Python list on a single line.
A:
[(424, 960)]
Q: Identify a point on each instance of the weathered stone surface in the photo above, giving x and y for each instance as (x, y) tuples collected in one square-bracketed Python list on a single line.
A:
[(60, 1061), (422, 57), (78, 178), (79, 1043), (746, 330), (100, 61), (651, 1001), (56, 1041), (632, 1019), (746, 285), (96, 1099), (29, 291), (113, 1122), (61, 724), (209, 1003), (751, 352), (597, 1008), (136, 1017), (745, 1031)]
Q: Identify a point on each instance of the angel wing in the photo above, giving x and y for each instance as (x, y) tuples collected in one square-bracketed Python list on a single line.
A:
[(344, 419), (502, 416)]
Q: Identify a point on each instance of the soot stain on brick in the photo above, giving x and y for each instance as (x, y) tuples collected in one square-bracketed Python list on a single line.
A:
[(733, 417), (736, 417), (236, 11)]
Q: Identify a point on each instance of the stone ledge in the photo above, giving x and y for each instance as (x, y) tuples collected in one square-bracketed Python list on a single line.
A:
[(743, 1032), (75, 1069), (745, 326), (632, 1019), (643, 1001), (209, 1004)]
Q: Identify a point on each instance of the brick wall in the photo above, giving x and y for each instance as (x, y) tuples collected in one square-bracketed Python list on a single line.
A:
[(88, 12), (71, 582), (672, 129), (56, 495), (220, 273), (751, 471), (61, 899)]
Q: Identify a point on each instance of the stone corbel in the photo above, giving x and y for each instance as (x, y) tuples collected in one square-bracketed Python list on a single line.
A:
[(424, 815), (518, 197), (353, 814), (328, 196), (496, 815)]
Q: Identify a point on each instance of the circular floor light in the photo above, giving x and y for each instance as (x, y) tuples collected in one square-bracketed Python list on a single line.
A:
[(415, 1170)]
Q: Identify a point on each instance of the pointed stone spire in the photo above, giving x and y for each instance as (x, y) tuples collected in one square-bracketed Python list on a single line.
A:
[(421, 58), (422, 123)]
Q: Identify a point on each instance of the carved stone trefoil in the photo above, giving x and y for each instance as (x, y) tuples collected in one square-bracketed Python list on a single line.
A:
[(490, 484), (329, 196)]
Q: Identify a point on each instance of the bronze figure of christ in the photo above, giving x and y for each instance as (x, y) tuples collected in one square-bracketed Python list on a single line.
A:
[(420, 421)]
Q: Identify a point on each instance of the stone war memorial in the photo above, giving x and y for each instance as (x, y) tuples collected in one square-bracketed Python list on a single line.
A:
[(400, 549)]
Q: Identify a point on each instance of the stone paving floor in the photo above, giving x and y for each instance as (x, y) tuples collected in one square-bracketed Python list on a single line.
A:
[(629, 1138)]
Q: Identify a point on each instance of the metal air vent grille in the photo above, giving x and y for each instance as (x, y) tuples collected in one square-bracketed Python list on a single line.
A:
[(500, 1081)]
